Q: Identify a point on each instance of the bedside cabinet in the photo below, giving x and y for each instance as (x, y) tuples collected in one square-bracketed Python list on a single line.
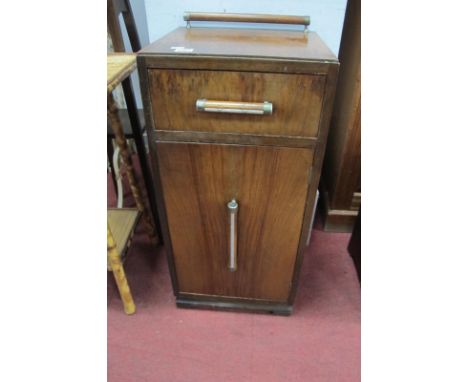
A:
[(237, 121)]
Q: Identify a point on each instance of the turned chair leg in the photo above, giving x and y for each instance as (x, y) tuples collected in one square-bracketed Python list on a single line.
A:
[(110, 156), (119, 274), (127, 162)]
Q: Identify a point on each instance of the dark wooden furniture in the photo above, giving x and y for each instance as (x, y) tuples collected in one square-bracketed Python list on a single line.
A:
[(354, 247), (129, 118), (124, 8), (340, 184), (238, 121)]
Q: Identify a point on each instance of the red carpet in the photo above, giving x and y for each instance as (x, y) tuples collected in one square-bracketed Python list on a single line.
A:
[(319, 342)]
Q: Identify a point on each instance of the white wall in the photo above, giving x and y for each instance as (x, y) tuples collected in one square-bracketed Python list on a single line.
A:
[(326, 16)]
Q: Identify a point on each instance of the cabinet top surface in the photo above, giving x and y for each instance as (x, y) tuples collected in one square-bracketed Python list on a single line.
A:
[(242, 43)]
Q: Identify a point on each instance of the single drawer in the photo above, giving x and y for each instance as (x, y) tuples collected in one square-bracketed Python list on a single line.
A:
[(293, 109)]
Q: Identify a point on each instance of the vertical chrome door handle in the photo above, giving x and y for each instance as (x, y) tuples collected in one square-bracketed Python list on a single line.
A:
[(233, 208)]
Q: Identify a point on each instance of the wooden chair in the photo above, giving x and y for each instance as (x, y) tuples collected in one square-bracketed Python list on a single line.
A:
[(121, 222), (132, 118), (124, 8)]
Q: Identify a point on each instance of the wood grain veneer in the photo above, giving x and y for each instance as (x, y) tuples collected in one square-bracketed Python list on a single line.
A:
[(235, 42), (270, 164), (295, 115), (270, 185)]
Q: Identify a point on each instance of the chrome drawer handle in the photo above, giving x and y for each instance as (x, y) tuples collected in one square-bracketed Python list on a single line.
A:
[(246, 18), (233, 208), (210, 106)]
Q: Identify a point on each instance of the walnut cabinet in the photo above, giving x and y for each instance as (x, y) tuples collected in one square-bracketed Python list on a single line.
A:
[(237, 121)]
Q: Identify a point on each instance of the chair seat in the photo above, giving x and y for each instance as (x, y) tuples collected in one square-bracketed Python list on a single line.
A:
[(119, 67), (122, 222)]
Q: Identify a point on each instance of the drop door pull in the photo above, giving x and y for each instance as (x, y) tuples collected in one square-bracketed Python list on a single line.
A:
[(233, 208)]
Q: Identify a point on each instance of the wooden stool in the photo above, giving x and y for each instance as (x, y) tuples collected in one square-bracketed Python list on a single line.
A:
[(121, 223)]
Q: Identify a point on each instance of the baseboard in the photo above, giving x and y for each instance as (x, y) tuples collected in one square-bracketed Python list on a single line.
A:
[(337, 220)]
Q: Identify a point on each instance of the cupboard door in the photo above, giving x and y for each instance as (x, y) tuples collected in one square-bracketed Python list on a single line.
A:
[(269, 185)]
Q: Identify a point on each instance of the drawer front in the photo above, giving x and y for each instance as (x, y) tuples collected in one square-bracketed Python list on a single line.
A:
[(269, 185), (296, 99)]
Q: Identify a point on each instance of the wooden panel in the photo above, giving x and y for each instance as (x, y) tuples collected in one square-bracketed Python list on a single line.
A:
[(238, 64), (342, 169), (199, 301), (297, 101), (241, 139), (270, 185), (238, 42)]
